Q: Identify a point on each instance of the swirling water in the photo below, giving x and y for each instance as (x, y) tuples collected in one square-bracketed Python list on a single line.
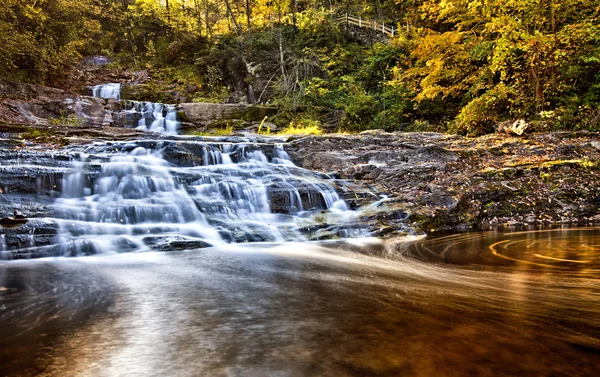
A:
[(356, 308), (266, 300)]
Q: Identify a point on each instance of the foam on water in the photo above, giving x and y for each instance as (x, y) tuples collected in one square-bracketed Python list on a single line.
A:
[(112, 90), (137, 199)]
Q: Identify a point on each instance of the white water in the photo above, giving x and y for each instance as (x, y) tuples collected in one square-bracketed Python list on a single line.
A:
[(112, 90), (137, 199), (155, 117), (2, 246)]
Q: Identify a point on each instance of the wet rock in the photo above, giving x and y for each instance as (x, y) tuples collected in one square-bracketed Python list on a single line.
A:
[(435, 153), (21, 90), (199, 112), (33, 233), (174, 243)]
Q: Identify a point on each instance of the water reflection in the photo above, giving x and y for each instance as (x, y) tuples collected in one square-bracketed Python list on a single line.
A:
[(313, 310), (568, 251)]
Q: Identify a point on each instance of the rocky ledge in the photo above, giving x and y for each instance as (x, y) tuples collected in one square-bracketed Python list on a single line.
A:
[(23, 103), (455, 183), (401, 182)]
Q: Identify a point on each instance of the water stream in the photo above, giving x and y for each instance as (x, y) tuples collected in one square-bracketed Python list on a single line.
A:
[(169, 195), (267, 271), (148, 116), (305, 309), (112, 90)]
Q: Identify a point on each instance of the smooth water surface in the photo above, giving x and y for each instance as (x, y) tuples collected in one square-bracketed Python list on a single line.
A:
[(483, 304)]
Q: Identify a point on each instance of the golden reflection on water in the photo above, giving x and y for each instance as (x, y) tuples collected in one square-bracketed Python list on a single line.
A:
[(478, 304), (575, 251)]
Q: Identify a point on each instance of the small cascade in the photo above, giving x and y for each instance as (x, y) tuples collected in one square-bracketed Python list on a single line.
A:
[(155, 117), (31, 238), (133, 196), (281, 156), (138, 201), (147, 116), (2, 246), (112, 90)]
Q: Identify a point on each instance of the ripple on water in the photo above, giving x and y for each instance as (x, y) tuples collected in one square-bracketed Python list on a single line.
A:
[(574, 251), (307, 309)]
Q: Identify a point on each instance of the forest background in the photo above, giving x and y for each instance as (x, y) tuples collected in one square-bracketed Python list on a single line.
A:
[(453, 65)]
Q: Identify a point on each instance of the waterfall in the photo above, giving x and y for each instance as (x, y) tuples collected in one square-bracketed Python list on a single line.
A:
[(155, 117), (134, 195), (147, 116), (238, 192), (112, 90)]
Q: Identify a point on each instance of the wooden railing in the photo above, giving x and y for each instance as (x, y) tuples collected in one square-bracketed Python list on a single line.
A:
[(367, 24)]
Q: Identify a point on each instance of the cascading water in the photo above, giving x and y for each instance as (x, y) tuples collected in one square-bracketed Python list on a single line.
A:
[(137, 201), (2, 246), (112, 90), (147, 116), (155, 117), (133, 196), (186, 193)]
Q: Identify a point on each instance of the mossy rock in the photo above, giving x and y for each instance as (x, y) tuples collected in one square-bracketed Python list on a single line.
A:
[(254, 113), (181, 116), (225, 123)]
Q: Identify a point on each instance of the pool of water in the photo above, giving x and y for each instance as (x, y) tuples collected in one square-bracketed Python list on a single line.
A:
[(478, 304)]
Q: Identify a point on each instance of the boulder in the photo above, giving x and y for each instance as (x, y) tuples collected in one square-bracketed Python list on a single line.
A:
[(518, 127)]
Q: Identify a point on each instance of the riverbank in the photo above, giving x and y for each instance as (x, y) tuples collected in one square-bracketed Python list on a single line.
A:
[(401, 182), (428, 181), (449, 182)]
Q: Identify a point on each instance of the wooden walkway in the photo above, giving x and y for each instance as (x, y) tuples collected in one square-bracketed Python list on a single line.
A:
[(381, 27)]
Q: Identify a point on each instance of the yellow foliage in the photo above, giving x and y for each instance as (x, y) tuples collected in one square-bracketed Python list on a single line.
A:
[(303, 128), (228, 130)]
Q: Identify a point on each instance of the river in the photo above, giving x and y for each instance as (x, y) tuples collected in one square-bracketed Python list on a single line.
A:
[(174, 255), (478, 304)]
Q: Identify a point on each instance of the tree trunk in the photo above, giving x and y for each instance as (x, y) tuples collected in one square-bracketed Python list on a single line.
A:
[(294, 5), (248, 14), (235, 24), (281, 57), (208, 31), (198, 15)]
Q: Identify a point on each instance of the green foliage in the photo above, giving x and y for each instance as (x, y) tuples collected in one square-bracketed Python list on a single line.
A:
[(40, 40), (67, 120), (493, 60), (43, 136), (459, 66)]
